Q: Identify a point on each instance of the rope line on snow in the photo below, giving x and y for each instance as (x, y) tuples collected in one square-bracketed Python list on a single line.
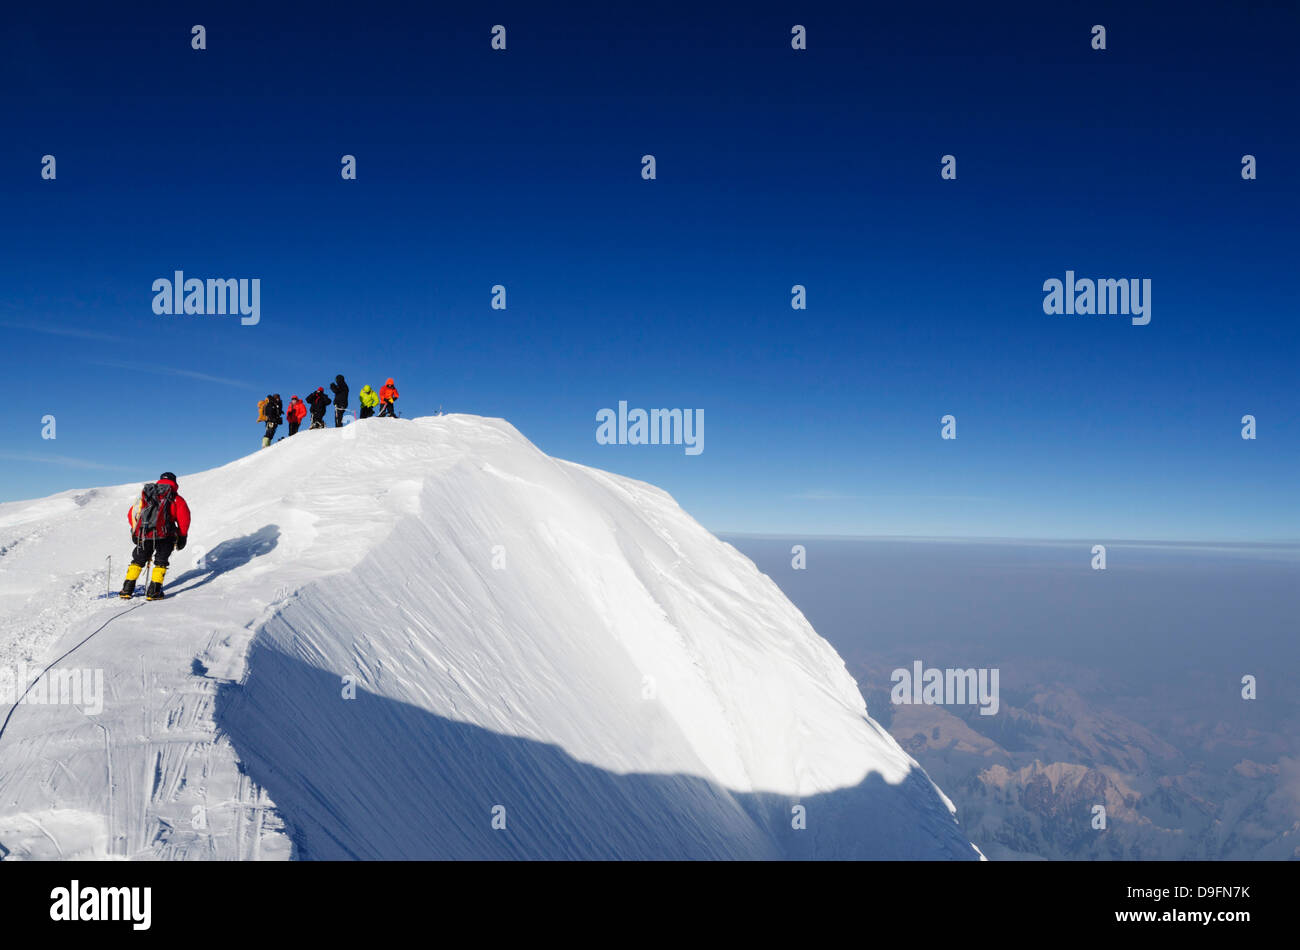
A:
[(19, 700)]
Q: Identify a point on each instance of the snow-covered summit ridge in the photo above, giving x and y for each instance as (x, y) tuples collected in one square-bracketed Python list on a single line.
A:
[(529, 640)]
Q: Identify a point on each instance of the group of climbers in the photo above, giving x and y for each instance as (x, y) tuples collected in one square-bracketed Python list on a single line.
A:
[(160, 517), (272, 412)]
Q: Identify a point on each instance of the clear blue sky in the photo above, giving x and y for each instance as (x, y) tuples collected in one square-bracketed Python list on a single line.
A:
[(775, 167)]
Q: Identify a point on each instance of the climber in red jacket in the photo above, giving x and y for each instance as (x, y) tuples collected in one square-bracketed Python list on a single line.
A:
[(160, 523), (297, 412), (387, 398)]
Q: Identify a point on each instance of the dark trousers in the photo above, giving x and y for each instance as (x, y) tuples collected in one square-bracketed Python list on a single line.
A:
[(318, 422), (338, 416), (270, 429), (160, 549), (387, 409), (293, 425), (367, 411)]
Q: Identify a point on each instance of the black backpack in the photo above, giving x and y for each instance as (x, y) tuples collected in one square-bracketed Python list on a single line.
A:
[(155, 517)]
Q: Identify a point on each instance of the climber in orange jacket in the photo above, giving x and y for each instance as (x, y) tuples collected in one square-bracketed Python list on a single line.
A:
[(297, 412), (160, 523), (388, 396)]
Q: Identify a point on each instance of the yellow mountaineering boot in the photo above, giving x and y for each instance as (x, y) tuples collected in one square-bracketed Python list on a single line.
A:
[(128, 587), (154, 590)]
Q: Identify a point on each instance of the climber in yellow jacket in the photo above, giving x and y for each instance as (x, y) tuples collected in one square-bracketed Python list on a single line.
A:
[(369, 399)]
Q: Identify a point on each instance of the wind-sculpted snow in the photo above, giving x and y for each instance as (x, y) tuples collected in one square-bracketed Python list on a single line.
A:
[(427, 639)]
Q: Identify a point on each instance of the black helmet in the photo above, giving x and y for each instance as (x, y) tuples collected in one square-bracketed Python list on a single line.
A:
[(167, 477)]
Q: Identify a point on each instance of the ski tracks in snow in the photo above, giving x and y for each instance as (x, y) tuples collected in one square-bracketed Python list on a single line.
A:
[(149, 777)]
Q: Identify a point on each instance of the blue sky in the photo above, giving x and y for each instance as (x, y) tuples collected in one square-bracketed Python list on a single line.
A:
[(775, 167)]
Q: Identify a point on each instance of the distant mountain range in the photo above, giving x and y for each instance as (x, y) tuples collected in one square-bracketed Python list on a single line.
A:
[(1026, 781)]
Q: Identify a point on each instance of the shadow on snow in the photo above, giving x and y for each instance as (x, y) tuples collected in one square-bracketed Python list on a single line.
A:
[(228, 556), (376, 778)]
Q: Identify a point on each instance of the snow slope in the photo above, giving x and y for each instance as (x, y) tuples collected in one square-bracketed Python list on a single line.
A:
[(427, 639)]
